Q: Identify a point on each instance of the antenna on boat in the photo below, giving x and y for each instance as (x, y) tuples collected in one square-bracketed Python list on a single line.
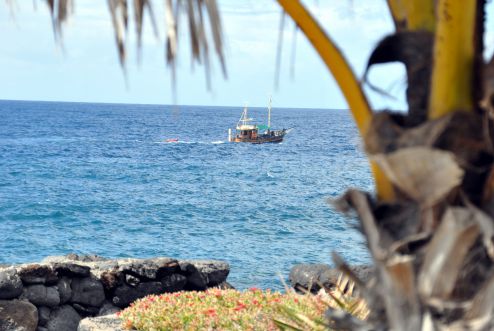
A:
[(269, 113)]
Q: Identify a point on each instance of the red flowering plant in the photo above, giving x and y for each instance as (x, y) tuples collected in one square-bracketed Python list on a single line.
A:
[(217, 309)]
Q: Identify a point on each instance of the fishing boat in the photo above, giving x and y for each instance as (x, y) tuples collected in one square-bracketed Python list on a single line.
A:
[(248, 132)]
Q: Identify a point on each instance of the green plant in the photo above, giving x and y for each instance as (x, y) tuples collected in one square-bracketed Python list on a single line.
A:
[(217, 309)]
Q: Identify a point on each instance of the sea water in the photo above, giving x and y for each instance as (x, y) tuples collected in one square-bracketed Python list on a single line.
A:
[(102, 179)]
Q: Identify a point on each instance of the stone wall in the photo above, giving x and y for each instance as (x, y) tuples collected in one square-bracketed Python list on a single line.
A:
[(313, 277), (57, 293)]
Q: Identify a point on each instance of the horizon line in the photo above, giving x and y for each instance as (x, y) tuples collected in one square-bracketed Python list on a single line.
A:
[(166, 105)]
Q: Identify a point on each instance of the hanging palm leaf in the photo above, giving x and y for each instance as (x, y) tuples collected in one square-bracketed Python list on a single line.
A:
[(120, 11)]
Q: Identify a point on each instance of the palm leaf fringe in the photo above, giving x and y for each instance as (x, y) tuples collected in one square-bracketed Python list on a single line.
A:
[(60, 10), (196, 10)]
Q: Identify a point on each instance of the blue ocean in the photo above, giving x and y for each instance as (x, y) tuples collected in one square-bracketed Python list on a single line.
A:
[(102, 179)]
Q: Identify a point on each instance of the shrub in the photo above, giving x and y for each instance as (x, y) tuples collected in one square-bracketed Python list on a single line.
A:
[(217, 309)]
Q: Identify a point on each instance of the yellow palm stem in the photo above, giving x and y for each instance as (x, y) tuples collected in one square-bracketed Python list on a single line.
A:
[(384, 188), (398, 12), (413, 14), (454, 51), (334, 60), (344, 76), (420, 14)]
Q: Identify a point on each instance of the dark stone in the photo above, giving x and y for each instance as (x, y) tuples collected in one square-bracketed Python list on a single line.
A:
[(125, 295), (10, 284), (132, 280), (43, 315), (72, 256), (215, 272), (87, 292), (63, 318), (150, 269), (90, 258), (85, 311), (41, 295), (76, 257), (110, 280), (311, 277), (107, 265), (18, 315), (363, 272), (173, 283), (195, 280), (107, 309), (64, 290), (225, 286), (101, 323), (38, 274), (72, 269), (307, 277), (40, 328), (167, 268)]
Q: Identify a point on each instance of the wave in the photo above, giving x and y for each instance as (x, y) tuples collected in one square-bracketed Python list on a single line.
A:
[(216, 142)]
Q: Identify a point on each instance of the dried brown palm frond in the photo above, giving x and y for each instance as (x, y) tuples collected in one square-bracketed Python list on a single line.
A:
[(414, 50), (203, 17), (341, 301), (60, 10), (195, 11), (431, 235), (120, 20), (432, 246)]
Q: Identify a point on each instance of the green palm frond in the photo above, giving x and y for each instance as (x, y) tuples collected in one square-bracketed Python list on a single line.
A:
[(343, 298)]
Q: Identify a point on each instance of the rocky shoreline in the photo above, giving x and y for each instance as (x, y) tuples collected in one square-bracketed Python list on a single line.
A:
[(69, 293), (57, 293), (303, 278)]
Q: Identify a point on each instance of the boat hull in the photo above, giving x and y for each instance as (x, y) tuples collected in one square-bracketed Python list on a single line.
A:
[(259, 140)]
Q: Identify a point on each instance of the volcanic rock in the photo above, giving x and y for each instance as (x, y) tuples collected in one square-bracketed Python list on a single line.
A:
[(63, 318), (72, 269), (10, 284), (102, 323), (215, 272), (18, 315), (125, 295), (173, 283), (311, 277), (87, 291), (41, 295), (64, 289), (38, 274), (43, 315)]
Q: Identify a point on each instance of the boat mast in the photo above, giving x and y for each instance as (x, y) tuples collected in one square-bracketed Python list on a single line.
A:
[(246, 117), (269, 113)]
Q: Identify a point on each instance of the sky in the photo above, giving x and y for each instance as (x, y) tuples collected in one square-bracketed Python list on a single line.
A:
[(86, 69)]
